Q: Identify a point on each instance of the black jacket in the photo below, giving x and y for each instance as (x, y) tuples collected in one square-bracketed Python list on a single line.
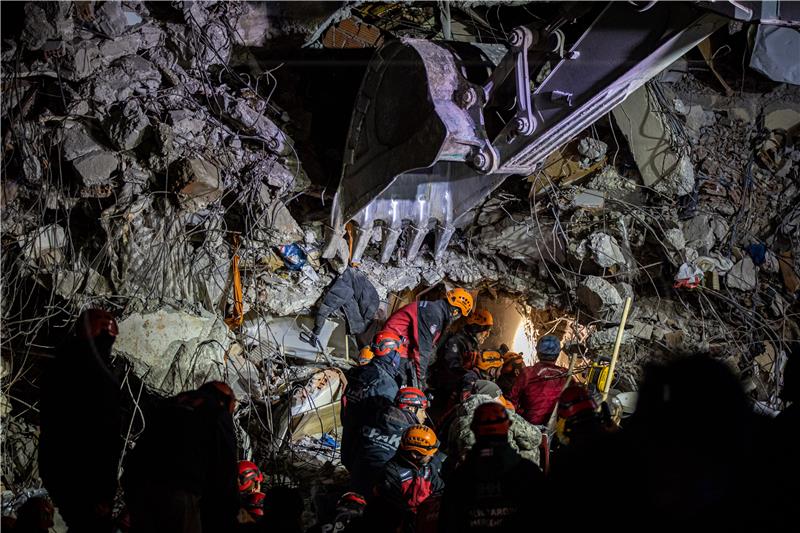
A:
[(353, 293), (494, 489), (370, 389), (450, 360), (377, 442), (80, 422)]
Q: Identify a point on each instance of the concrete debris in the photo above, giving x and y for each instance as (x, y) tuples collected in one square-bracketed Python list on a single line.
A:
[(699, 233), (640, 118), (609, 180), (78, 141), (589, 199), (782, 118), (173, 351), (742, 276), (605, 250), (95, 168), (113, 19), (674, 239), (126, 125), (289, 336), (601, 341), (775, 53), (680, 181), (71, 284), (44, 246), (197, 183), (592, 151), (598, 297)]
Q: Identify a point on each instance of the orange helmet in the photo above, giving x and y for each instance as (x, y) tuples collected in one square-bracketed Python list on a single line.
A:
[(506, 403), (513, 363), (385, 342), (490, 419), (420, 439), (481, 317), (489, 360), (460, 298), (365, 355)]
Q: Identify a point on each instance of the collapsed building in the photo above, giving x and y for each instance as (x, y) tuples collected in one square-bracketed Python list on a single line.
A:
[(205, 170)]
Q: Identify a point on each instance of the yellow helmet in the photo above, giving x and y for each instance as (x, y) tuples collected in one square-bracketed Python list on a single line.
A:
[(460, 298), (488, 360), (481, 317), (420, 439)]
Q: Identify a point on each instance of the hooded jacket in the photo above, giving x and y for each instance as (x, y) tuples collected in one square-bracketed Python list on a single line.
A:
[(536, 391), (354, 294), (421, 323)]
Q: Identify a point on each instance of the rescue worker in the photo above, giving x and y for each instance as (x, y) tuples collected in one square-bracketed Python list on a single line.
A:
[(577, 416), (81, 424), (182, 474), (512, 368), (486, 366), (537, 388), (254, 505), (250, 477), (494, 488), (380, 436), (459, 351), (523, 437), (33, 516), (421, 324), (410, 478), (370, 388)]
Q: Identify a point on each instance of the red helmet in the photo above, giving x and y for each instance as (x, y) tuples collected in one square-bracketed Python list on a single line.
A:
[(411, 397), (351, 499), (575, 399), (385, 342), (93, 322), (249, 475), (255, 503), (490, 419)]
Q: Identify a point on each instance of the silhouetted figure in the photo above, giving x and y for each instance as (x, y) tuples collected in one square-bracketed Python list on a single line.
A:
[(687, 458), (494, 488), (182, 474), (513, 364), (348, 517), (283, 510), (80, 443)]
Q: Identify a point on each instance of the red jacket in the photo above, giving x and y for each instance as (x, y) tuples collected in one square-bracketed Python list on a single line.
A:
[(536, 391), (421, 323)]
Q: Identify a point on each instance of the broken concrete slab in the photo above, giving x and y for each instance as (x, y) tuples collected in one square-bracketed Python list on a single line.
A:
[(699, 233), (114, 18), (95, 168), (592, 151), (680, 181), (742, 276), (674, 239), (639, 118), (782, 118), (601, 340), (78, 141), (126, 125), (597, 296), (196, 182), (70, 283), (589, 199), (775, 53), (173, 351), (606, 251)]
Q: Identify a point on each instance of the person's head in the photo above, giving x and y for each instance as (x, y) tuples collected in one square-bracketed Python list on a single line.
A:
[(487, 388), (36, 514), (250, 477), (576, 405), (254, 503), (419, 444), (512, 364), (98, 327), (548, 348), (222, 393), (351, 502), (479, 324), (490, 420), (386, 347), (461, 302), (413, 400), (489, 364)]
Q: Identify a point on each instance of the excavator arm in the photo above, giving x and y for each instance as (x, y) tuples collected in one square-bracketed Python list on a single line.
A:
[(438, 126)]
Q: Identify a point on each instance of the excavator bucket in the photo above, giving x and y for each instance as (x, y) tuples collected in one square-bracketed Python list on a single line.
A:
[(425, 146)]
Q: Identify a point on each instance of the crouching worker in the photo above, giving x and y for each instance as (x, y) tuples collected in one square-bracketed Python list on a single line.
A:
[(494, 488), (407, 481), (380, 436)]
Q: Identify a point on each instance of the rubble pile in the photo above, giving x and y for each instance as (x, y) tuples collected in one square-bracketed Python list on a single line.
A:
[(144, 173)]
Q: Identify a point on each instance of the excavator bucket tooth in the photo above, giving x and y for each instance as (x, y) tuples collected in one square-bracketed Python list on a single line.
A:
[(390, 237), (443, 236)]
